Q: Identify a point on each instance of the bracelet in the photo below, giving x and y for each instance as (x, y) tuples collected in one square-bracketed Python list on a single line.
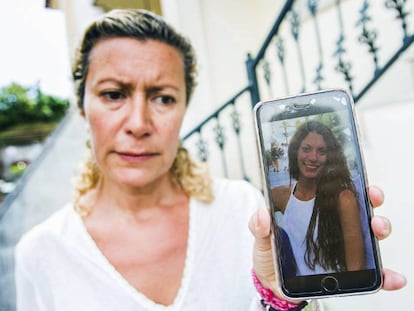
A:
[(298, 307), (272, 303)]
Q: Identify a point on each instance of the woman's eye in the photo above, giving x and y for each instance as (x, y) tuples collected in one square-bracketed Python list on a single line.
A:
[(165, 100), (113, 95)]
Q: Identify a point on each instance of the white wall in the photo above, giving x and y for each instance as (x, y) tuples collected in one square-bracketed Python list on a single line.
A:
[(78, 14), (223, 32)]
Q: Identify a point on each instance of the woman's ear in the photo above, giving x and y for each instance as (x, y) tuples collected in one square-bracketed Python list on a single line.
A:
[(82, 112)]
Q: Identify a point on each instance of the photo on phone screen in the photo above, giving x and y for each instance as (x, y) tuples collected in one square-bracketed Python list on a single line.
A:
[(316, 186)]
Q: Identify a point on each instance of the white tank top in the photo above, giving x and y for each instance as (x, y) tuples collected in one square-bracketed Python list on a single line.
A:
[(295, 221)]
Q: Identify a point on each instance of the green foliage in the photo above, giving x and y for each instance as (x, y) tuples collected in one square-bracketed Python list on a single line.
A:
[(25, 134), (25, 105), (17, 169)]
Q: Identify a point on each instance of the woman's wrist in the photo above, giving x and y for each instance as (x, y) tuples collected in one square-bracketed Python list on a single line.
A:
[(272, 302)]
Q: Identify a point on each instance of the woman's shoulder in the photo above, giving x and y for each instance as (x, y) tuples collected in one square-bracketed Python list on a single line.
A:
[(346, 193), (347, 198), (282, 190), (46, 231), (237, 192), (234, 186), (280, 196)]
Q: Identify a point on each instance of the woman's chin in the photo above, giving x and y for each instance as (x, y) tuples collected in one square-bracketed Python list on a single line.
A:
[(311, 173), (136, 179)]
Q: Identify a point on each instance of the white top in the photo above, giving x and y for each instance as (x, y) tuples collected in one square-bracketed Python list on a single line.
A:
[(295, 221), (59, 267)]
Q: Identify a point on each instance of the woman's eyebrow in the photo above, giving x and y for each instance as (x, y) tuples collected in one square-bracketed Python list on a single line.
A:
[(113, 81), (158, 88)]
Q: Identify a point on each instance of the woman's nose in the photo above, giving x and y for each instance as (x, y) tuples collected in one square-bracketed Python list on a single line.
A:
[(313, 155), (138, 119)]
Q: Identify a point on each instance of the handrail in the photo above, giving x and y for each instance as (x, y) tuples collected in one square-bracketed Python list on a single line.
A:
[(407, 42), (48, 145), (280, 47), (215, 114), (275, 28)]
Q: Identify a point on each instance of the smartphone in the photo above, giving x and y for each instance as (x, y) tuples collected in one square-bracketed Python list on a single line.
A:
[(316, 188)]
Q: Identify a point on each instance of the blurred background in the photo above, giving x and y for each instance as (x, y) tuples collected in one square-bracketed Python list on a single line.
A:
[(248, 51), (35, 83)]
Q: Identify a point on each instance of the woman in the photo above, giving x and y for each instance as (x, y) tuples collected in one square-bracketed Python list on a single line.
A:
[(148, 229), (320, 209), (275, 155)]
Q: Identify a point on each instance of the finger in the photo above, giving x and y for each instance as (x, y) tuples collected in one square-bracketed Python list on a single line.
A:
[(381, 227), (260, 225), (393, 280), (376, 196)]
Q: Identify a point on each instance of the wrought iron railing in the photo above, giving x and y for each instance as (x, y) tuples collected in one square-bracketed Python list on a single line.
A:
[(211, 129), (312, 45)]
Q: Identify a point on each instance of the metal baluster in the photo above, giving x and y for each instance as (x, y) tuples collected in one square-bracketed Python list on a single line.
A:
[(220, 140), (402, 14), (281, 56), (252, 78), (342, 66), (202, 148), (367, 36), (295, 24), (237, 129), (267, 76), (313, 7)]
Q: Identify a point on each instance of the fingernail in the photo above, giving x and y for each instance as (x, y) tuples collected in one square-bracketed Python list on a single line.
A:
[(257, 222), (402, 280), (386, 226)]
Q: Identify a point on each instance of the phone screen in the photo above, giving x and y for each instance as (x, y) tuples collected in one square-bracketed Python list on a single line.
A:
[(317, 193)]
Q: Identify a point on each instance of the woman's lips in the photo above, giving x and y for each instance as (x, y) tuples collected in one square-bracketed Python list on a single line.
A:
[(311, 168), (136, 157)]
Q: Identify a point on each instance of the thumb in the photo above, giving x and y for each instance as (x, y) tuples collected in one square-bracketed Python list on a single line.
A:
[(260, 226), (262, 253), (263, 262)]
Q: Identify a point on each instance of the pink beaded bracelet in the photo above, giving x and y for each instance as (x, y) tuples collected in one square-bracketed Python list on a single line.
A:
[(269, 299)]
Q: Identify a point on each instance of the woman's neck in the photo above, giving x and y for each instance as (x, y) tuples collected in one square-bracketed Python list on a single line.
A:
[(305, 189), (109, 198)]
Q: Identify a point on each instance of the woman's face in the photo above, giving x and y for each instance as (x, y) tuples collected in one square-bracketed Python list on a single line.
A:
[(312, 156), (134, 104)]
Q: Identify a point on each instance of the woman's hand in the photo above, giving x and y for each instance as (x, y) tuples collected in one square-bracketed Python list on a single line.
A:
[(259, 225), (382, 228), (262, 254)]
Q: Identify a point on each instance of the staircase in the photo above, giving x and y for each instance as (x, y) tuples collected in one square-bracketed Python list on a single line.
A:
[(311, 45)]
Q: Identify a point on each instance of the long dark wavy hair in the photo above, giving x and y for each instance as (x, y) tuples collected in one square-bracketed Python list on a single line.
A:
[(327, 248)]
